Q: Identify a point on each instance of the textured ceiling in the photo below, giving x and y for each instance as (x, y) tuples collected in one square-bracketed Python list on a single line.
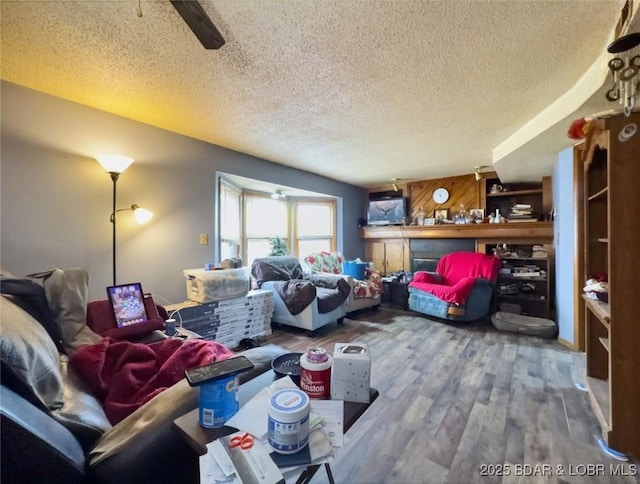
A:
[(354, 90)]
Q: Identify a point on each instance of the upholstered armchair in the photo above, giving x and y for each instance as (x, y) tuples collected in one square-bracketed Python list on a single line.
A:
[(301, 300), (461, 289), (365, 293)]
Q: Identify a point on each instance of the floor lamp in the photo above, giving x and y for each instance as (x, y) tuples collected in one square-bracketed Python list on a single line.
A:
[(115, 165)]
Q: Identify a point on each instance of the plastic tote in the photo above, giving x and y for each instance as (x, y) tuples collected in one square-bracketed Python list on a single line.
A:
[(354, 269)]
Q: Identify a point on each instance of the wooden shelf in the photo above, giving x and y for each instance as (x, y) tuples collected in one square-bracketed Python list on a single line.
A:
[(513, 278), (599, 395), (511, 230), (522, 298), (599, 194), (600, 310), (515, 193), (523, 258), (605, 343)]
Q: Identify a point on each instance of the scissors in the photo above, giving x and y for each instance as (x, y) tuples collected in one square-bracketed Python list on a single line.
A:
[(244, 441)]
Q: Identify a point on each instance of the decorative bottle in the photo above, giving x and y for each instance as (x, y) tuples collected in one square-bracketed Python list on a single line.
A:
[(421, 216)]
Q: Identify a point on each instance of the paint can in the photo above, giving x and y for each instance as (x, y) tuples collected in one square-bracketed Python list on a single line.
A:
[(218, 401), (315, 373), (288, 426)]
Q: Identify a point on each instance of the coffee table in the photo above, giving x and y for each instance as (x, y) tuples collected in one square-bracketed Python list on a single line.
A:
[(188, 425)]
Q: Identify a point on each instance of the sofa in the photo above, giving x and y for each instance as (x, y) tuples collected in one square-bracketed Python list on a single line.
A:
[(53, 428), (365, 292), (307, 301), (461, 289)]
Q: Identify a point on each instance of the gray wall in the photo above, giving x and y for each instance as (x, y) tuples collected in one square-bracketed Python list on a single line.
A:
[(56, 198)]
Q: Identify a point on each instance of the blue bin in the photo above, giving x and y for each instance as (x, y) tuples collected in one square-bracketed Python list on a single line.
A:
[(354, 269)]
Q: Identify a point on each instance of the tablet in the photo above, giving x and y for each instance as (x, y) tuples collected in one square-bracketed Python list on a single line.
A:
[(127, 303)]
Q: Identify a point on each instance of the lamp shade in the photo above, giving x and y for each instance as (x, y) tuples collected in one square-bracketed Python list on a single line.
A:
[(114, 163), (142, 215)]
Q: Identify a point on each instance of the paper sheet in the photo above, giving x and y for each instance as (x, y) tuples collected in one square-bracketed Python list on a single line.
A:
[(222, 464), (332, 413)]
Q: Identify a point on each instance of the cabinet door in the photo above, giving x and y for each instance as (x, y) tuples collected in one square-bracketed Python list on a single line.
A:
[(374, 252), (394, 252)]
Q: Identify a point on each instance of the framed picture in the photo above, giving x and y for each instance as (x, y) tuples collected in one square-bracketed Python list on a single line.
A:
[(441, 214), (477, 213)]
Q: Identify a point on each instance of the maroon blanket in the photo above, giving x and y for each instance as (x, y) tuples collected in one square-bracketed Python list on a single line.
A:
[(125, 375)]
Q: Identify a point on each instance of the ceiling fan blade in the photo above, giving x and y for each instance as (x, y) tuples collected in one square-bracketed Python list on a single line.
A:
[(199, 22)]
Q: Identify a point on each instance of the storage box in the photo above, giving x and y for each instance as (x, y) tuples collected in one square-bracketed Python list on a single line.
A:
[(351, 372), (209, 286)]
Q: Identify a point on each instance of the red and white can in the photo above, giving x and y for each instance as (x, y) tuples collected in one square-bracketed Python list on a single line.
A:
[(315, 373)]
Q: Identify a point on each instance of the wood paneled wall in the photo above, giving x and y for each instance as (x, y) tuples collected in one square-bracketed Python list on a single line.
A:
[(463, 191)]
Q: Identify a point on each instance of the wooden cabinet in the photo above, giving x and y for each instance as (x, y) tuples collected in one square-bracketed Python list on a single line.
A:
[(387, 255), (512, 199), (612, 238)]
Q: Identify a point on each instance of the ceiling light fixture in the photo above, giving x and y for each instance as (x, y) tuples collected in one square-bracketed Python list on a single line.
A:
[(624, 68), (278, 195)]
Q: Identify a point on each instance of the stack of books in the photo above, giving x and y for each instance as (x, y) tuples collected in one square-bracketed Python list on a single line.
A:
[(522, 212)]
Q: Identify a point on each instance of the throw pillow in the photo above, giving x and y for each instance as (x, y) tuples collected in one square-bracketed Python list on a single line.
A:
[(27, 349), (67, 292)]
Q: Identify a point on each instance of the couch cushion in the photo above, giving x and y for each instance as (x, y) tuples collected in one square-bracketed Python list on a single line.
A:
[(27, 349), (30, 296), (67, 291), (330, 262)]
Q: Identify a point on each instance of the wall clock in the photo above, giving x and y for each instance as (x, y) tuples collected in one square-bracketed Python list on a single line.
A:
[(440, 195)]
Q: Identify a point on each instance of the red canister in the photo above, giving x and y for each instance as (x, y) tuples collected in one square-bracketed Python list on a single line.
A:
[(315, 373)]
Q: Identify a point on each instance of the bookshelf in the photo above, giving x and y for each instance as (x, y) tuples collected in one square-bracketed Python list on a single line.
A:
[(612, 239)]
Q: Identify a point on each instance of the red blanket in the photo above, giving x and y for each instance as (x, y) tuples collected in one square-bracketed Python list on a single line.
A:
[(125, 375), (458, 272)]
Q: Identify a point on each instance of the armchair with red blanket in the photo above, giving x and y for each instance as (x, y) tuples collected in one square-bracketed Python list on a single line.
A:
[(461, 289)]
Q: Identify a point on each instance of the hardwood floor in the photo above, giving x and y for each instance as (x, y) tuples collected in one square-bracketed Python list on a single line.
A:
[(464, 403)]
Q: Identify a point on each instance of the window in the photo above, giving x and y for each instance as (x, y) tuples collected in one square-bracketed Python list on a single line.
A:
[(230, 221), (315, 226), (250, 220), (265, 218)]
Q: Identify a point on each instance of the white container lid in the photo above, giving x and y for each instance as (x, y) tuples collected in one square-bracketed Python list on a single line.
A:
[(289, 405)]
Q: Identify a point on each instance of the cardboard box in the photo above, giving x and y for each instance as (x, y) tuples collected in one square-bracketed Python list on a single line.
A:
[(351, 372)]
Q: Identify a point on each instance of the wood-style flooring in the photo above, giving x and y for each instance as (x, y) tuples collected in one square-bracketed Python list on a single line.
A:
[(463, 403)]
